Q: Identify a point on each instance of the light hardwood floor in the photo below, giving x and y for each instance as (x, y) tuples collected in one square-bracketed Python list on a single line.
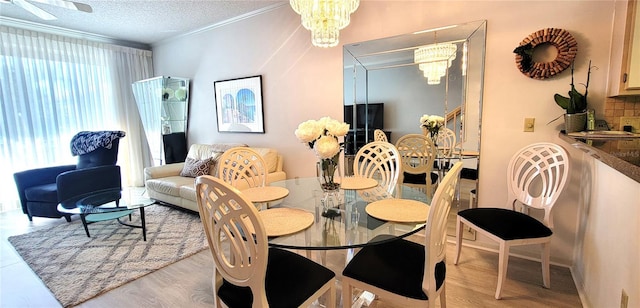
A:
[(187, 283)]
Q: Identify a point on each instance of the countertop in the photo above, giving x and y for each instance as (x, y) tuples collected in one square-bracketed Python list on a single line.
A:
[(621, 154)]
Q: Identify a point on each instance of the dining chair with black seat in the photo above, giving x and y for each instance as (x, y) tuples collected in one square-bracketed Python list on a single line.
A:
[(403, 272), (247, 272), (536, 175), (378, 160), (417, 154)]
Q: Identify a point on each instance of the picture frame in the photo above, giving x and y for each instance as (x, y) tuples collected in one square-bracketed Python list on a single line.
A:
[(239, 106)]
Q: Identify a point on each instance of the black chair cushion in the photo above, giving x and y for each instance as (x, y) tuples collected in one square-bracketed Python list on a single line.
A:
[(506, 224), (396, 266), (291, 279), (42, 193), (469, 174), (419, 178)]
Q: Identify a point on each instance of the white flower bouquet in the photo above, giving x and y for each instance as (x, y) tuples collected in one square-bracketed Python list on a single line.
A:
[(432, 123), (322, 136)]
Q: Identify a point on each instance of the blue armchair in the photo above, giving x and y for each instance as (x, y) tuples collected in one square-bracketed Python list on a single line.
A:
[(40, 190)]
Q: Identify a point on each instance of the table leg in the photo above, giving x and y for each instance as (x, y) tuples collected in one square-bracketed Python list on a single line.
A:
[(144, 225), (84, 224)]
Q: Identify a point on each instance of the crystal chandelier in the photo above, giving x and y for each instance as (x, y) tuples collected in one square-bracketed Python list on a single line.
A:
[(434, 60), (325, 18)]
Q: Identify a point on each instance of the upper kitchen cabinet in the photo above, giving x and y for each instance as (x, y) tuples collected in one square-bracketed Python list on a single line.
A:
[(624, 65), (163, 105)]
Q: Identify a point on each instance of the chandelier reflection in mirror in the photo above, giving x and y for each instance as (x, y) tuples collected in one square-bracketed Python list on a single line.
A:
[(434, 60), (325, 18)]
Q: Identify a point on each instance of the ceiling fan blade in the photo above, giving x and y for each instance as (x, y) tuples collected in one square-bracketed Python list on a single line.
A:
[(34, 9), (67, 4)]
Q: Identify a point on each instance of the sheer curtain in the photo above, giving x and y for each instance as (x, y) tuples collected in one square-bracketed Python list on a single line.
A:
[(52, 87)]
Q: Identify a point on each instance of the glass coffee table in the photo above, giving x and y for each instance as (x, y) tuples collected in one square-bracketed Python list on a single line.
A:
[(105, 205)]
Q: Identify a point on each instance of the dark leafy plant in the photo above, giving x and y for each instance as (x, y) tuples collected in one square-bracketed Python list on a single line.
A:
[(576, 102)]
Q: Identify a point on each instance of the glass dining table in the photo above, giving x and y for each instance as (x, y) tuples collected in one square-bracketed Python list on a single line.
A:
[(341, 221)]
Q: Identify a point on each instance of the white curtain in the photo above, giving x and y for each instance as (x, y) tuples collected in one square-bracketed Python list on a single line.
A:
[(52, 87)]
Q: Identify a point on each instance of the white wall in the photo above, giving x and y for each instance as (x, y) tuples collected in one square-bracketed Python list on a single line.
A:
[(301, 82)]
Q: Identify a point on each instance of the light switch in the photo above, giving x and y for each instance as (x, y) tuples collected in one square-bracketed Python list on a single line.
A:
[(529, 124)]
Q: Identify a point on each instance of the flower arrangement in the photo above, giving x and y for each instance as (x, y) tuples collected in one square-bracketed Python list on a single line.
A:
[(322, 136), (432, 123)]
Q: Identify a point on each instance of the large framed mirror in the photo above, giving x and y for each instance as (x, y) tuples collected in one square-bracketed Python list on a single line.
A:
[(390, 83)]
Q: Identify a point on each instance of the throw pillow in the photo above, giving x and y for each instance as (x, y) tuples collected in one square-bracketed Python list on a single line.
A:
[(194, 167)]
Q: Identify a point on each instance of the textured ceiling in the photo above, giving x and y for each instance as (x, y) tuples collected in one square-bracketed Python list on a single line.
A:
[(141, 21)]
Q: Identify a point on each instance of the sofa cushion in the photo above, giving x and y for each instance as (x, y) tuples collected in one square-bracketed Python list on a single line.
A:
[(45, 193), (203, 151), (188, 192), (169, 185), (196, 167), (270, 157)]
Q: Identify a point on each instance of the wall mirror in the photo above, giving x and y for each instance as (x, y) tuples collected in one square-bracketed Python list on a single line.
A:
[(390, 83)]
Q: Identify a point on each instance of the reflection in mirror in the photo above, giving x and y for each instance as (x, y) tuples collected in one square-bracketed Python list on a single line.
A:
[(390, 83)]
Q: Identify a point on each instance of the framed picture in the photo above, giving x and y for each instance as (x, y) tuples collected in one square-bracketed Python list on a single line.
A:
[(239, 105)]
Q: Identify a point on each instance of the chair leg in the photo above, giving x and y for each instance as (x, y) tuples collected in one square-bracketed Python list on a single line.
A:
[(503, 261), (347, 294), (67, 218), (443, 297), (331, 303), (459, 226), (472, 199), (546, 252)]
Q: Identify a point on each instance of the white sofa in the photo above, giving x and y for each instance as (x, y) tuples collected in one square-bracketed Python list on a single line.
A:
[(165, 184)]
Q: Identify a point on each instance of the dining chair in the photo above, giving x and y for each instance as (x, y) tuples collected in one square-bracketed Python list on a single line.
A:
[(381, 161), (417, 154), (242, 167), (379, 135), (247, 272), (403, 272), (446, 143), (536, 176)]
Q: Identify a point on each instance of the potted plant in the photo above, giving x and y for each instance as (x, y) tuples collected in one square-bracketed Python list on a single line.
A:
[(575, 105)]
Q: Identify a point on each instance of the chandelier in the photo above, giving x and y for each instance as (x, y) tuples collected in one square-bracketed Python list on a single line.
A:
[(434, 60), (324, 18)]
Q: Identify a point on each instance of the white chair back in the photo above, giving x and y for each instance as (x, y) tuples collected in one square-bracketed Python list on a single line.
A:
[(446, 141), (242, 167), (237, 238), (379, 135), (381, 161), (436, 228), (417, 154), (537, 174)]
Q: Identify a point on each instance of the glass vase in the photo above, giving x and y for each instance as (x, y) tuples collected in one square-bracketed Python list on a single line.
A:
[(328, 171), (432, 133)]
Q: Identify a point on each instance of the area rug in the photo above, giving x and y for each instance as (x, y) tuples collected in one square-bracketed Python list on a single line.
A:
[(76, 268)]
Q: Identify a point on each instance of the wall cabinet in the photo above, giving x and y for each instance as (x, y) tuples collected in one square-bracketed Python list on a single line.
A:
[(163, 106), (624, 66)]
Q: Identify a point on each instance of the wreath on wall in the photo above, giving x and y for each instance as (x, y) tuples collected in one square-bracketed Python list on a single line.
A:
[(562, 40)]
